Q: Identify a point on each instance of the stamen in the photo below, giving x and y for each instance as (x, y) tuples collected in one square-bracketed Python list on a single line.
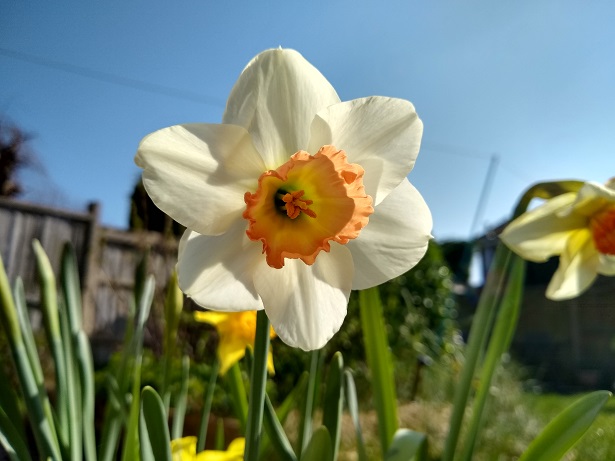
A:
[(294, 204), (603, 231)]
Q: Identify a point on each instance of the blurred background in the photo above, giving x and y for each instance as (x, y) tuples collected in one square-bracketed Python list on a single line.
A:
[(510, 93)]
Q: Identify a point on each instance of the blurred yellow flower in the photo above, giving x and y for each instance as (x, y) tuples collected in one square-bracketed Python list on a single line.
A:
[(579, 227), (184, 449), (236, 331)]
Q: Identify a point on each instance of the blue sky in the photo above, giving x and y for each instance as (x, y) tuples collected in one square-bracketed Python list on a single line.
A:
[(530, 81)]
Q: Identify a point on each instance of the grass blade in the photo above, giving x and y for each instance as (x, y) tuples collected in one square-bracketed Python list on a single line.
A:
[(566, 429)]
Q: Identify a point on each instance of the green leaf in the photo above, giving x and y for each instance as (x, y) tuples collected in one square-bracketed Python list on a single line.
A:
[(479, 332), (144, 297), (11, 439), (407, 445), (566, 429), (153, 428), (334, 401), (275, 431), (319, 447), (180, 400), (237, 389), (37, 403), (503, 332), (353, 409), (380, 364)]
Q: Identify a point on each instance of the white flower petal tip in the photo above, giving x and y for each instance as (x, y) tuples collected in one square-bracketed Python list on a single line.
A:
[(579, 227), (294, 200)]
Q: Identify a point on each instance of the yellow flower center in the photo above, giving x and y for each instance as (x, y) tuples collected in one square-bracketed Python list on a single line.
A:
[(310, 200), (603, 230)]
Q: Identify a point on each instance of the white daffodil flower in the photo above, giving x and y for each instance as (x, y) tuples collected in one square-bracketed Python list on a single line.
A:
[(579, 227), (294, 200)]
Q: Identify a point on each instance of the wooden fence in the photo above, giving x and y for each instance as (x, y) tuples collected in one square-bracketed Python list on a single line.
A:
[(107, 259)]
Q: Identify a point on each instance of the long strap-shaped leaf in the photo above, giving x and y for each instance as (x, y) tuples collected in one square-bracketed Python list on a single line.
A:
[(380, 364), (503, 332), (566, 429), (353, 409), (334, 401), (37, 402), (479, 332), (153, 428)]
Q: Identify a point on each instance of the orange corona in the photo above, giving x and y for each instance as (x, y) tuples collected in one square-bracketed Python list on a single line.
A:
[(307, 202), (603, 230)]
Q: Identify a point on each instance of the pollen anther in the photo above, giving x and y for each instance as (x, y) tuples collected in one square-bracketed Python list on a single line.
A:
[(294, 204)]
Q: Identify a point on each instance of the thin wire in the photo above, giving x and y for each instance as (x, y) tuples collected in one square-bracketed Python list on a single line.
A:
[(114, 79)]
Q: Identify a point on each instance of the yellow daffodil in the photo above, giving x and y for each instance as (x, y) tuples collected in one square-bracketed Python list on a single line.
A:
[(184, 449), (236, 331), (294, 200), (580, 227)]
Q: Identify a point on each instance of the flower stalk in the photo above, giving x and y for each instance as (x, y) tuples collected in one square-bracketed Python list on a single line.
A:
[(258, 379)]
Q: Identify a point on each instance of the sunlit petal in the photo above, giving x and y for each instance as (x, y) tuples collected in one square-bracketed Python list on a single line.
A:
[(307, 304), (541, 233), (577, 267), (383, 135), (606, 264), (395, 239), (275, 99), (217, 271), (592, 197), (197, 174)]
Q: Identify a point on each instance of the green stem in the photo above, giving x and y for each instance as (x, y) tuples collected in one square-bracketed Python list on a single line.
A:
[(209, 396), (234, 379), (257, 387), (479, 332), (305, 432), (503, 332)]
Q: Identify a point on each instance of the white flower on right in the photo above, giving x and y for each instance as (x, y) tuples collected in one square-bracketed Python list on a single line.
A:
[(579, 227)]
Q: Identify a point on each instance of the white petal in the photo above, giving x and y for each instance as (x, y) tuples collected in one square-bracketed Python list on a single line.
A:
[(543, 232), (577, 269), (383, 135), (394, 240), (217, 271), (275, 99), (307, 304), (198, 174), (606, 264)]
